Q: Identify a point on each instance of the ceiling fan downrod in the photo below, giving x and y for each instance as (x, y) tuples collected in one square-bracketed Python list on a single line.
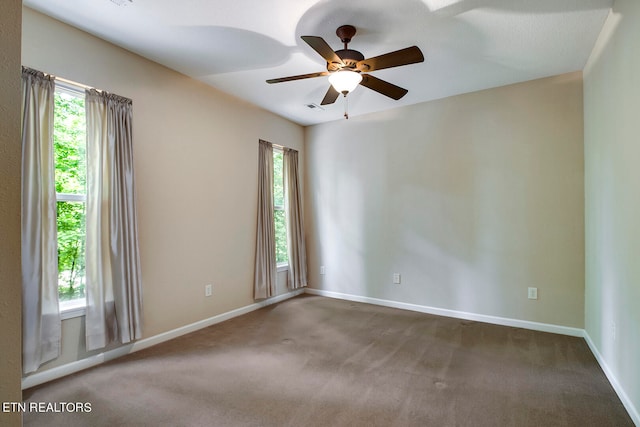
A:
[(345, 33)]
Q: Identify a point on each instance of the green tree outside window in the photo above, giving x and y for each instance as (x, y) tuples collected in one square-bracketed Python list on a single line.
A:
[(279, 219), (69, 138)]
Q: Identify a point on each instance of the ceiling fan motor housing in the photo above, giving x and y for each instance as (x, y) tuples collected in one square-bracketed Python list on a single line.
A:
[(350, 58)]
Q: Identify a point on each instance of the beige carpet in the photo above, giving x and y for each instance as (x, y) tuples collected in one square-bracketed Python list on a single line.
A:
[(314, 361)]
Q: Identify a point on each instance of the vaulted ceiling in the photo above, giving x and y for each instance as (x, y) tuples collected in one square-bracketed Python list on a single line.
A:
[(235, 46)]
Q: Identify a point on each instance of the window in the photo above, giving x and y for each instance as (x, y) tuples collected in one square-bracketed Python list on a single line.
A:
[(69, 142), (282, 257)]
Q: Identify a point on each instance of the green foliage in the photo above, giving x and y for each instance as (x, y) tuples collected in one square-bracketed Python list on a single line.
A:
[(278, 178), (278, 214), (281, 236), (69, 138), (71, 248)]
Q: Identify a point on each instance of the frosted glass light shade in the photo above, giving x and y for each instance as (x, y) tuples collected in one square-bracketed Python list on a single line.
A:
[(345, 81)]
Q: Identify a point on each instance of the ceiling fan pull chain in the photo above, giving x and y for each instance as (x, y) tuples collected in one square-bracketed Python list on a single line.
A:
[(346, 107)]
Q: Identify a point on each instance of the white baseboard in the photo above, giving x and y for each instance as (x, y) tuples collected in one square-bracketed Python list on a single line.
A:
[(79, 365), (628, 404), (73, 367), (544, 327), (525, 324)]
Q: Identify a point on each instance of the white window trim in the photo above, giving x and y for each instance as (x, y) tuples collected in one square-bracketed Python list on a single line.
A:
[(67, 197), (281, 266), (75, 307), (69, 88)]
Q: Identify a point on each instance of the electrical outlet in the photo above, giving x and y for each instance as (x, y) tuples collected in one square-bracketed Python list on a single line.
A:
[(322, 270), (208, 290), (532, 293), (396, 278)]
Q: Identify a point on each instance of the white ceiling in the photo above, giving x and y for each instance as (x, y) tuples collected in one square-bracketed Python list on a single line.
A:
[(236, 45)]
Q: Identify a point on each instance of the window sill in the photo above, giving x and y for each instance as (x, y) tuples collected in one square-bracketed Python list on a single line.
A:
[(73, 308), (282, 267)]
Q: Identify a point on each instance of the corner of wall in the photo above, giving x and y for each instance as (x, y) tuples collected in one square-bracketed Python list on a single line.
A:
[(10, 161), (612, 238)]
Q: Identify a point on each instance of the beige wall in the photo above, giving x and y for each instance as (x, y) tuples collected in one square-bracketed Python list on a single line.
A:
[(196, 154), (10, 155), (612, 193), (472, 199)]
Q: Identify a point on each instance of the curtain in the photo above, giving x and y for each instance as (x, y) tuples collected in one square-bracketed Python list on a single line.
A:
[(41, 325), (265, 272), (113, 279), (297, 276)]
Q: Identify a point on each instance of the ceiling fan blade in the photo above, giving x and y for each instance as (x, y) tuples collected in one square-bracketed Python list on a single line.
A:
[(319, 45), (330, 97), (299, 77), (409, 55), (383, 87)]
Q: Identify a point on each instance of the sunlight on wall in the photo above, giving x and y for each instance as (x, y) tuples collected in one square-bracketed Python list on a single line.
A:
[(472, 199)]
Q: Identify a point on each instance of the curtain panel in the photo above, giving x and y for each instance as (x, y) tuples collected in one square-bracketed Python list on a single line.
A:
[(265, 268), (41, 325), (297, 277), (113, 278)]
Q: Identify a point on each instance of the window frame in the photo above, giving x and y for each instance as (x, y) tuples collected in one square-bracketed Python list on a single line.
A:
[(281, 266), (75, 307)]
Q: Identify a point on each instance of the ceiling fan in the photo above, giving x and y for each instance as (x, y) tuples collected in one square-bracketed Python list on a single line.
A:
[(346, 67)]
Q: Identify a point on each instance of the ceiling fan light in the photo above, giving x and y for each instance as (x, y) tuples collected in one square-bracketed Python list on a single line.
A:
[(345, 81)]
